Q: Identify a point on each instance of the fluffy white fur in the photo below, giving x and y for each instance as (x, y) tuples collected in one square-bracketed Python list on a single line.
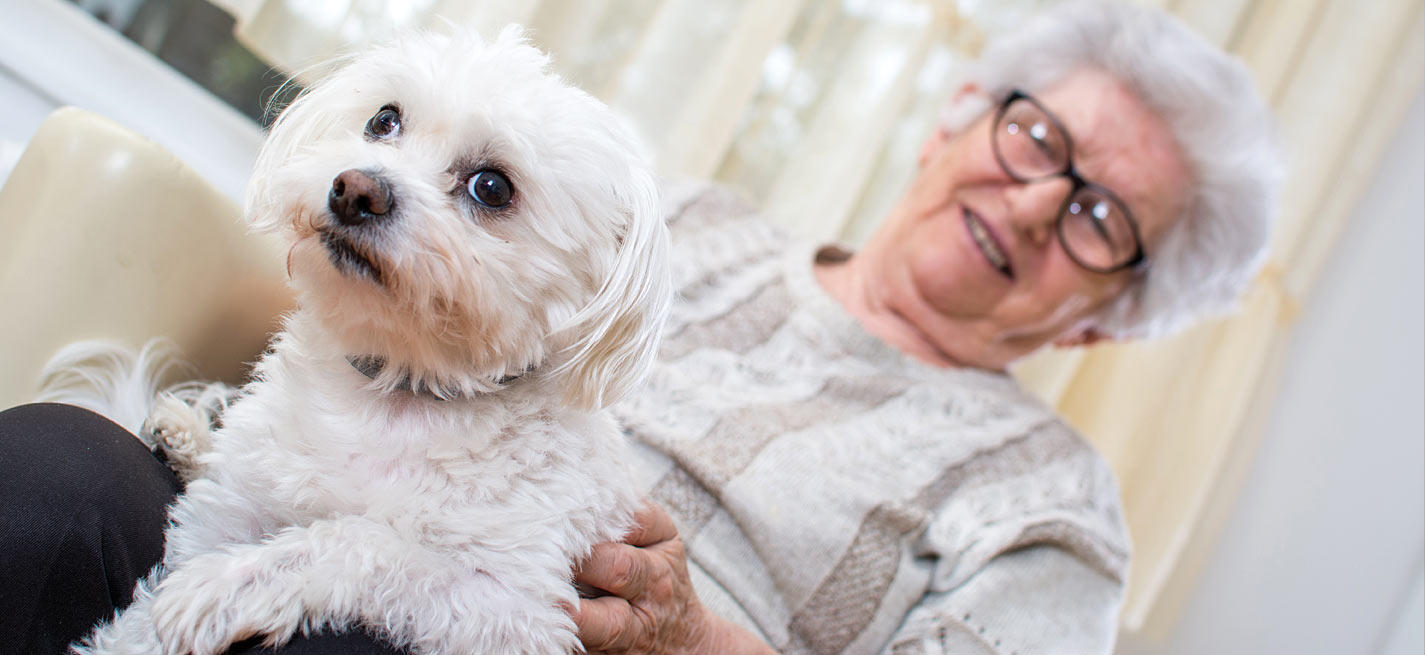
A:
[(447, 518)]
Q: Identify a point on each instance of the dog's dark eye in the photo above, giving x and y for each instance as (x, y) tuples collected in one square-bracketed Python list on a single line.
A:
[(385, 124), (490, 188)]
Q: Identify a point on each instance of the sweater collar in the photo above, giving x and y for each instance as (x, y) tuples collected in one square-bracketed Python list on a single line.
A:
[(841, 327)]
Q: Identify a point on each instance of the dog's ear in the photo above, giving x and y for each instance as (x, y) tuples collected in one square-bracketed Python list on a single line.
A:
[(616, 336), (307, 117)]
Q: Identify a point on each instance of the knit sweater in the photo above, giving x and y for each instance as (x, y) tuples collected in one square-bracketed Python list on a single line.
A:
[(837, 496)]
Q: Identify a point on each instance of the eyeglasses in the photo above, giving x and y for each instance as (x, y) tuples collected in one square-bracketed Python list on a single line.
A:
[(1095, 227)]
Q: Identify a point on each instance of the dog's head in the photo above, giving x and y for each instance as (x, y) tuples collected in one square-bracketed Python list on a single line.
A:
[(463, 214)]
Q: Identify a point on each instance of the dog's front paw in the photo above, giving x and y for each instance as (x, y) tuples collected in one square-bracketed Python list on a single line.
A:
[(183, 433), (205, 614)]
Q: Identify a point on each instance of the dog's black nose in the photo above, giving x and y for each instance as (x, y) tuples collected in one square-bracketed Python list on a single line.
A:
[(358, 197)]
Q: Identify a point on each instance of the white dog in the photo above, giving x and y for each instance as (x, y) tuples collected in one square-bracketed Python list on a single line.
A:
[(480, 269)]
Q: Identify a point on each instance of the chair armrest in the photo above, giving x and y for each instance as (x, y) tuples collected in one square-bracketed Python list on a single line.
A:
[(109, 236)]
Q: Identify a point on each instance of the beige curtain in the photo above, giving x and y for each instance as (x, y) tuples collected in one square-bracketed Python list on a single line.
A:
[(1180, 419), (816, 109)]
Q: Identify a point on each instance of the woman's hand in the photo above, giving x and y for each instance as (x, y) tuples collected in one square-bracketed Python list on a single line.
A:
[(653, 608)]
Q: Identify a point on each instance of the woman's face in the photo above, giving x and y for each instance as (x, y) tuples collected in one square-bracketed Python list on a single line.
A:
[(971, 258)]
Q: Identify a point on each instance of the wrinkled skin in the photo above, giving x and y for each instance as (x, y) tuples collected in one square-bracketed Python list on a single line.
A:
[(652, 607)]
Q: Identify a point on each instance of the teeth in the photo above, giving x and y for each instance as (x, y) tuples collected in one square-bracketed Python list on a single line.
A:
[(986, 243)]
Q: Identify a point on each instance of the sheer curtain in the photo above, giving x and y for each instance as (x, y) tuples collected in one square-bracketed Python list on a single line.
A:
[(816, 110)]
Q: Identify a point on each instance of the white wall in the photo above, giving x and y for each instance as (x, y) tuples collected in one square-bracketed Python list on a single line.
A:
[(25, 108), (1324, 552)]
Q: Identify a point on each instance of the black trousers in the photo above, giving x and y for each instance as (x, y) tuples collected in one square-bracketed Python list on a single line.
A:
[(83, 506)]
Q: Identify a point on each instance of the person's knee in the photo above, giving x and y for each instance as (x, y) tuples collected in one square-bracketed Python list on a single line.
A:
[(64, 468), (63, 455), (83, 507)]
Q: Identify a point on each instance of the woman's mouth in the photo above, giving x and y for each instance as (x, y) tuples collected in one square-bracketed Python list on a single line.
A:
[(987, 244)]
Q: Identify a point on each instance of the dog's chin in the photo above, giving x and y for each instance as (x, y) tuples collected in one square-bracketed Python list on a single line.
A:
[(339, 276), (340, 286), (349, 259)]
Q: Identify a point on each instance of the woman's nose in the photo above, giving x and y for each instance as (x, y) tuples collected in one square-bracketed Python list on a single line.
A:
[(1034, 208)]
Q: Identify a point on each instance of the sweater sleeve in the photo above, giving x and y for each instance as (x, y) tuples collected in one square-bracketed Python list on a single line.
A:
[(1039, 599)]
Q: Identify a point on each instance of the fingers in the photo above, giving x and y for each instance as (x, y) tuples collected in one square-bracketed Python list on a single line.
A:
[(619, 569), (652, 525), (654, 607), (606, 624)]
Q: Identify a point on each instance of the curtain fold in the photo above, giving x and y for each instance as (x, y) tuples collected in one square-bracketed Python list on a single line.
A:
[(816, 109)]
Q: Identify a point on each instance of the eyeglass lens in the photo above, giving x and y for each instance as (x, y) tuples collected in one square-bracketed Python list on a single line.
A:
[(1095, 231), (1031, 145)]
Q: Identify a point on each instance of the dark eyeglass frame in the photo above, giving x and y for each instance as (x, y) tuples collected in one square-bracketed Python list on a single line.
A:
[(1139, 259)]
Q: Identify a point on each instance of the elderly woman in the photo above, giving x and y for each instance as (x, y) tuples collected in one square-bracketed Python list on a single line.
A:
[(846, 465)]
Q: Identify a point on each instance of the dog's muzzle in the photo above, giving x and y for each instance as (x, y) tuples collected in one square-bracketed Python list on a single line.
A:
[(358, 197)]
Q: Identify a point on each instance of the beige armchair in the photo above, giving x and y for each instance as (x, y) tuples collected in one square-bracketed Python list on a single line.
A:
[(106, 235)]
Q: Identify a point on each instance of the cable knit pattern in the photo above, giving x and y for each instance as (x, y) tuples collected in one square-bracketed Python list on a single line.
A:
[(829, 487)]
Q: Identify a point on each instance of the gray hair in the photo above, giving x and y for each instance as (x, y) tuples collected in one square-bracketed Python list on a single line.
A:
[(1221, 125)]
